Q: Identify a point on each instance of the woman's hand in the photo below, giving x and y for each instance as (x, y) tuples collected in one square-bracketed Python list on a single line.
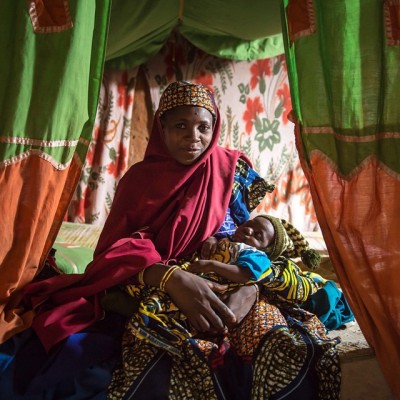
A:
[(240, 301), (196, 298)]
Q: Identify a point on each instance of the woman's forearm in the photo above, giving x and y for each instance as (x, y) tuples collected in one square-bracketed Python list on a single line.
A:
[(153, 275)]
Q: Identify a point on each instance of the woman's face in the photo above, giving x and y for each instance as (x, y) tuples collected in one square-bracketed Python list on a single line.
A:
[(257, 232), (187, 132)]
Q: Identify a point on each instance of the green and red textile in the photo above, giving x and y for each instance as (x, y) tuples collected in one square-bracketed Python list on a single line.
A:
[(53, 54), (343, 62)]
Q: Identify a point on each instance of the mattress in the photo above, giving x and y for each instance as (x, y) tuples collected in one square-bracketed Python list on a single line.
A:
[(74, 246)]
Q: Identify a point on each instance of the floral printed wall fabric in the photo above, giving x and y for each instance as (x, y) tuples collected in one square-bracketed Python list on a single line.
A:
[(107, 157), (254, 101)]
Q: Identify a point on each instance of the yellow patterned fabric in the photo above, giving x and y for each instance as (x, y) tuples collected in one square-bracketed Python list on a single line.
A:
[(157, 319), (290, 283)]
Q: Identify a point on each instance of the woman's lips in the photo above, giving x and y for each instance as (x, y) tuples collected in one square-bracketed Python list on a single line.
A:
[(191, 150)]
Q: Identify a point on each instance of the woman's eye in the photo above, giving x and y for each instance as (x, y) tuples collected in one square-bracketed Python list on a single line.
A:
[(180, 125), (204, 128)]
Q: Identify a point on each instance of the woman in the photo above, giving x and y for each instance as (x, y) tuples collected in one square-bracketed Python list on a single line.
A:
[(259, 352), (165, 207)]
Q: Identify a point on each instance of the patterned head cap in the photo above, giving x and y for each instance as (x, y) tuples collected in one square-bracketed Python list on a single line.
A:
[(182, 93)]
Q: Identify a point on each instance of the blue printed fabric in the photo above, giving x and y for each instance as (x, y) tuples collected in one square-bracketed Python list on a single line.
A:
[(248, 191)]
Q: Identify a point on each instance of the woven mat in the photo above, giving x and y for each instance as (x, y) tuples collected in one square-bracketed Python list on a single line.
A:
[(354, 345), (83, 235)]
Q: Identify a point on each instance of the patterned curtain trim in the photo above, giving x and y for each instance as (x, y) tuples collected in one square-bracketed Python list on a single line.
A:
[(42, 143), (301, 19), (349, 152), (357, 170), (346, 138), (38, 153), (392, 21), (62, 150), (49, 16)]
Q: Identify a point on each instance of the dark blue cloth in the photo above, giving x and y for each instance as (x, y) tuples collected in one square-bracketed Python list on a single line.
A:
[(80, 367)]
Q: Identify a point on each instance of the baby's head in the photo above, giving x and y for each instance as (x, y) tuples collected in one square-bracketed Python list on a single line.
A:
[(258, 232), (277, 237)]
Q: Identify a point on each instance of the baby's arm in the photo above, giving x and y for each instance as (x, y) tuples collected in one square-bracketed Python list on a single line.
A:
[(208, 248), (231, 272)]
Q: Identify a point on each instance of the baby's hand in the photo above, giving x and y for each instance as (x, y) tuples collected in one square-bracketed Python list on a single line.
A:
[(231, 272), (201, 266), (209, 247)]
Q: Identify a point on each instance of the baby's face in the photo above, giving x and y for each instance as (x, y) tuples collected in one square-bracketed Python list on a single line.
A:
[(257, 232)]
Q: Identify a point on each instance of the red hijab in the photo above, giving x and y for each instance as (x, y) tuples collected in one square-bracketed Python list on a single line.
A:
[(175, 208)]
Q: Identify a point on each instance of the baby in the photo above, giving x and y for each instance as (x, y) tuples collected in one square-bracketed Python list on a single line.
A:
[(246, 255)]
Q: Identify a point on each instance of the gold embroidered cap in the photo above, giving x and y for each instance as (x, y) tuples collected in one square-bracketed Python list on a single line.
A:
[(183, 93)]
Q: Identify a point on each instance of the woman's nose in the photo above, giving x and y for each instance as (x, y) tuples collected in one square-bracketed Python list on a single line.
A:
[(193, 134)]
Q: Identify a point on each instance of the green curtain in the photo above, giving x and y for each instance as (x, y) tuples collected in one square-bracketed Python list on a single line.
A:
[(50, 82), (343, 61), (236, 29)]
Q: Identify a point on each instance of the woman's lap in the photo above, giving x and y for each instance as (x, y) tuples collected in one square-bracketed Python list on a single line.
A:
[(267, 357)]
